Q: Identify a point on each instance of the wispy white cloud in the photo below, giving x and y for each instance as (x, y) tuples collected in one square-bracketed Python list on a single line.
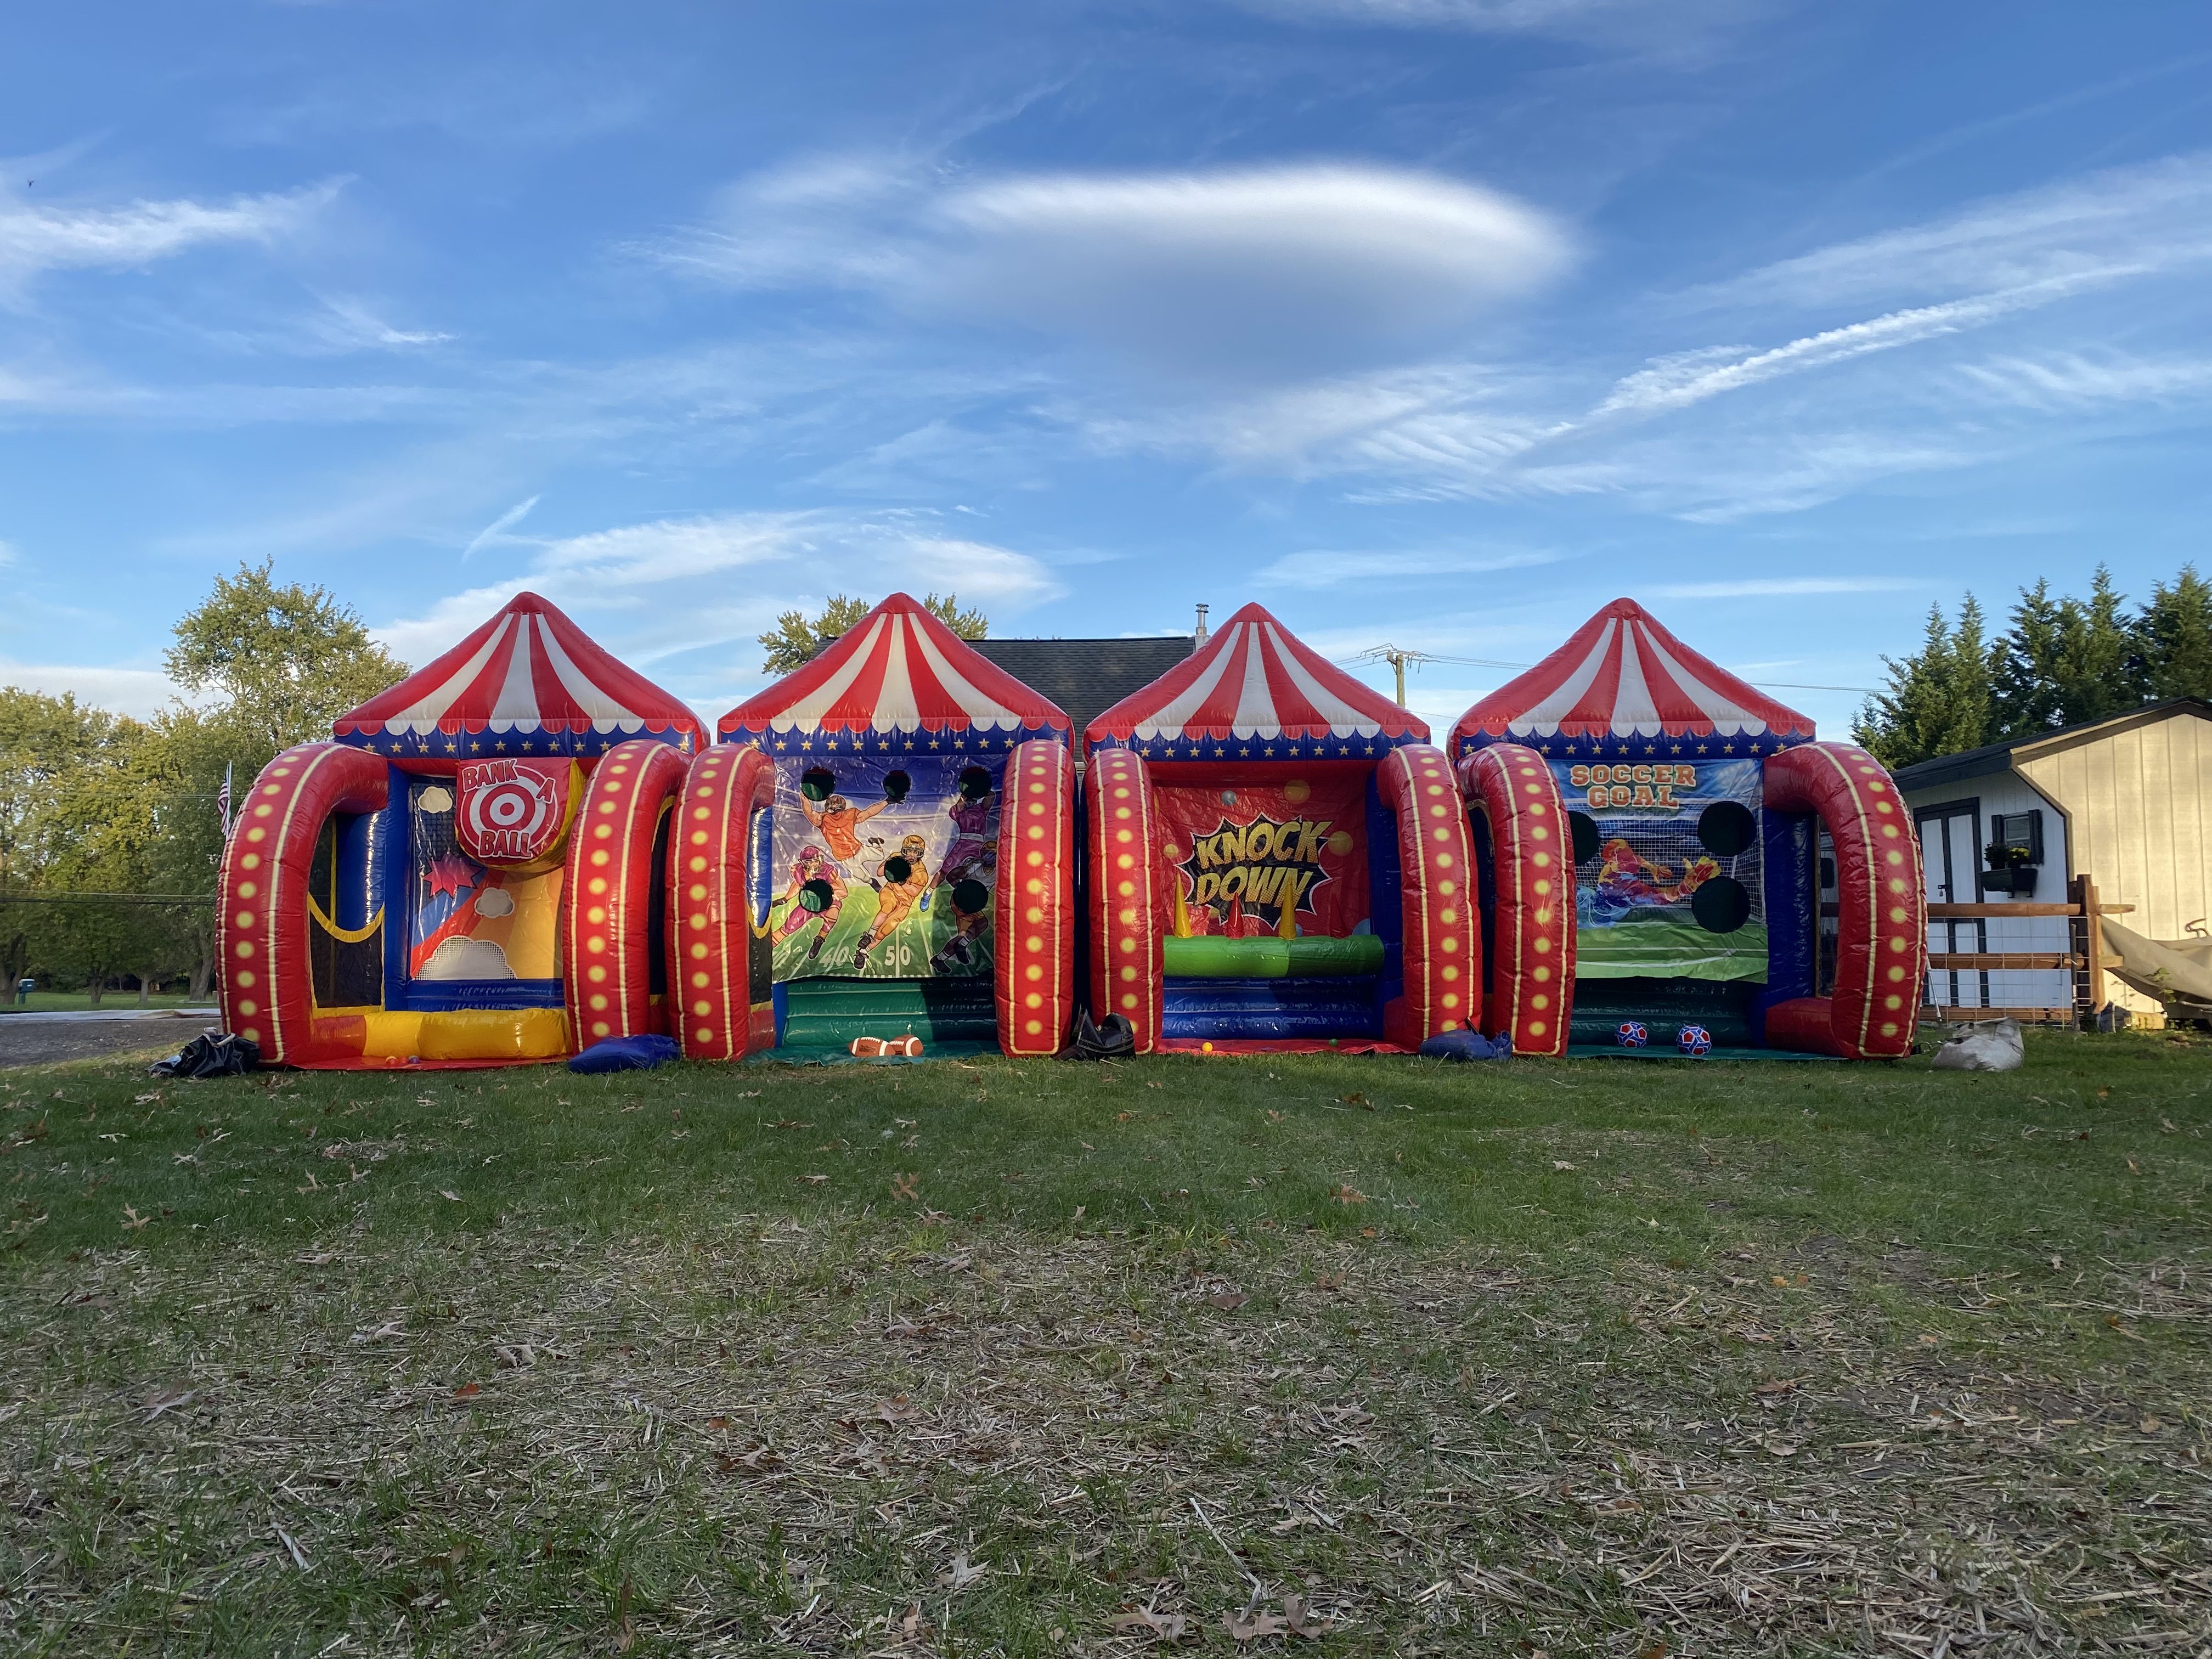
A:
[(1635, 18), (2064, 380), (1678, 381), (352, 324), (1273, 273), (35, 237), (139, 692), (2136, 220), (1781, 587), (1324, 569), (663, 587), (495, 532)]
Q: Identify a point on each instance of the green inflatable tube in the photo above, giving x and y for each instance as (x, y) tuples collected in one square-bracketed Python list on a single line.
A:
[(1208, 957)]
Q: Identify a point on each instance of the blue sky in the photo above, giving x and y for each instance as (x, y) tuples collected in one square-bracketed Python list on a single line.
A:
[(1435, 322)]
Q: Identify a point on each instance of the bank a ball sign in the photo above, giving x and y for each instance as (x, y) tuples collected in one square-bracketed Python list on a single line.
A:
[(511, 812)]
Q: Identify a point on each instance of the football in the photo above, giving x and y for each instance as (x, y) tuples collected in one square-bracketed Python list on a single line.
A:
[(1694, 1041), (1632, 1034)]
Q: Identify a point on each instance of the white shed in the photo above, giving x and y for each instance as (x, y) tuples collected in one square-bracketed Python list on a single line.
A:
[(2126, 801)]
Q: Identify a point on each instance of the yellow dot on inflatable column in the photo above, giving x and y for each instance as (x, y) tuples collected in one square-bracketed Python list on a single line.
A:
[(247, 1008), (1542, 888), (607, 805), (245, 890), (1536, 811), (1130, 1000), (1540, 974), (1443, 859), (1893, 1003), (273, 789), (1445, 890), (1533, 789), (1896, 974), (600, 1028), (1447, 917), (698, 953), (1897, 945), (596, 974), (246, 947), (1450, 944), (702, 1008), (243, 919), (1535, 1028), (257, 834), (703, 1035), (1033, 1028), (1036, 789), (1124, 861), (602, 832), (1035, 970), (1542, 861), (618, 769), (699, 981), (1539, 1001), (599, 857), (1450, 1000), (1450, 972), (1542, 946), (264, 811), (702, 812), (1897, 887), (251, 861), (1034, 999), (595, 915), (597, 1004), (1121, 794), (241, 978), (698, 837), (1897, 914), (1893, 857), (1889, 1028), (702, 793), (1537, 832), (596, 944), (250, 1034)]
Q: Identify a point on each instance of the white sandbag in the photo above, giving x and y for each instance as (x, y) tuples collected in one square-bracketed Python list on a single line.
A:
[(1995, 1047)]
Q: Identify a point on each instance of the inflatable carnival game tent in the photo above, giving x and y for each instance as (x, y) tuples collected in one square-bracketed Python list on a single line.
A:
[(1702, 814), (916, 871), (469, 873), (1276, 857)]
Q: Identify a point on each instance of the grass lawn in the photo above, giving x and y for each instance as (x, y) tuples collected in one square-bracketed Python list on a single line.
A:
[(1349, 1356), (51, 1002)]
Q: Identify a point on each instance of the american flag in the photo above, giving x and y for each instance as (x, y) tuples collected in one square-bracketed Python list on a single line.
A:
[(222, 800)]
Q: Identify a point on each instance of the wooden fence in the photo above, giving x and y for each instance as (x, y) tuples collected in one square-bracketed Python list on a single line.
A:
[(2084, 959)]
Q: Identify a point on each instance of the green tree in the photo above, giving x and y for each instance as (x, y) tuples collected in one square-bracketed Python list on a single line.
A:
[(81, 792), (796, 636), (2173, 655), (2066, 660), (279, 662), (1939, 698)]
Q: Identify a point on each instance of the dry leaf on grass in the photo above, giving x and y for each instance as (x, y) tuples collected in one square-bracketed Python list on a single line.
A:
[(961, 1573), (1301, 1620), (1167, 1626), (1253, 1623), (1229, 1301)]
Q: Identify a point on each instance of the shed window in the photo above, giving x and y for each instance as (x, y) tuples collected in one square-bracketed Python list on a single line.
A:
[(2019, 829)]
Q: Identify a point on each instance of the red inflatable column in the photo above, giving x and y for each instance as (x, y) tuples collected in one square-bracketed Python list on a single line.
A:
[(1443, 950), (1881, 924), (606, 910), (1125, 893), (268, 983), (1532, 967), (1033, 916), (710, 921)]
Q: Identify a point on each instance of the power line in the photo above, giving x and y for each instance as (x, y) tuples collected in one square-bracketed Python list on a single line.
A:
[(1398, 659)]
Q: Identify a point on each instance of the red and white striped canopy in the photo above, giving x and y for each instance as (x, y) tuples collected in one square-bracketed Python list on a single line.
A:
[(1623, 676), (898, 671), (528, 682), (1253, 692)]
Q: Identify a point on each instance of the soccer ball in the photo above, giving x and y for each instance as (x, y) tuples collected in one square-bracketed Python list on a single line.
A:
[(1694, 1041), (1632, 1034)]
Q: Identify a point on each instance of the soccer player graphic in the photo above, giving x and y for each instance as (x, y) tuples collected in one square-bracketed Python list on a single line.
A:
[(971, 913), (817, 893), (970, 812), (840, 823), (901, 881)]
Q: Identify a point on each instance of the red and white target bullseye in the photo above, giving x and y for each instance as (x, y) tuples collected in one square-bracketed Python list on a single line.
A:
[(509, 811)]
